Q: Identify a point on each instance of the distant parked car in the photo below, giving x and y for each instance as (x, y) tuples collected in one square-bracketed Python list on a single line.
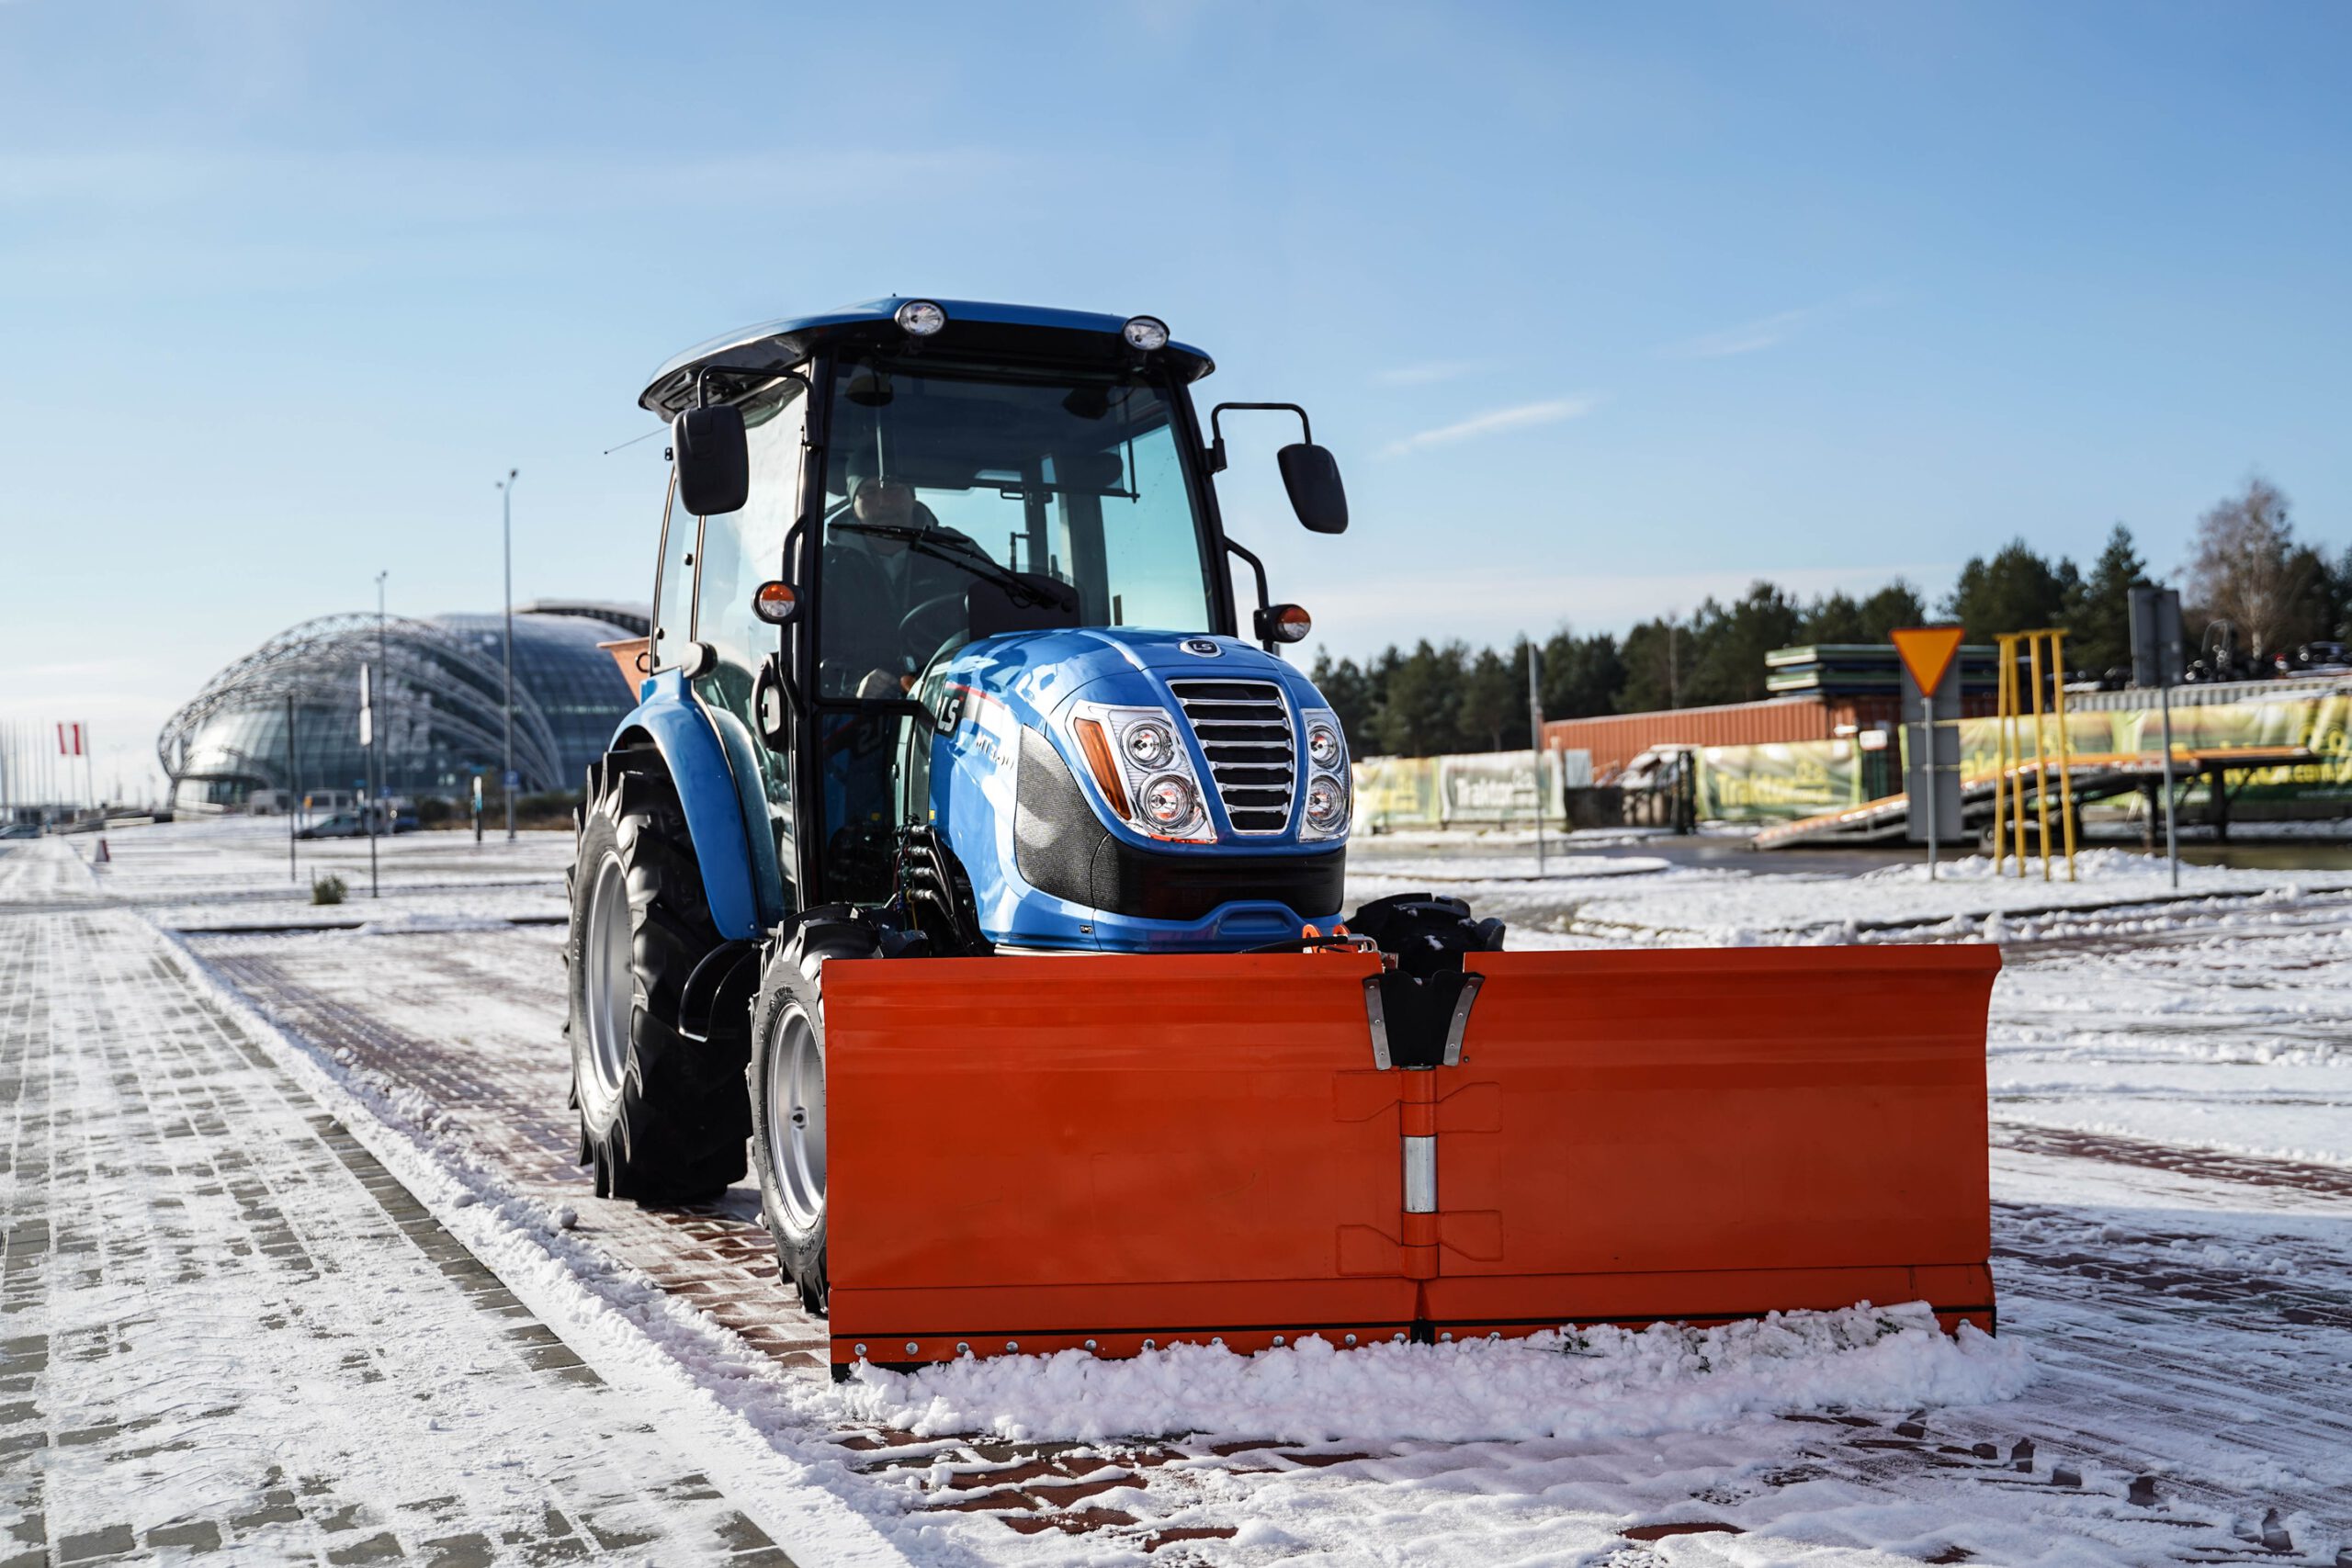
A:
[(2324, 658), (353, 825), (20, 830)]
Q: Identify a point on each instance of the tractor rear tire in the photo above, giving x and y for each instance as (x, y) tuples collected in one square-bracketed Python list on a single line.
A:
[(788, 1087), (662, 1117)]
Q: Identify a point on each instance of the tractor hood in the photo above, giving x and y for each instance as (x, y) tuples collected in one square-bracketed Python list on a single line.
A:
[(1138, 791), (1043, 671)]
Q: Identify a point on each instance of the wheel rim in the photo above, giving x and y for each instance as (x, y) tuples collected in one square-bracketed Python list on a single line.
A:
[(797, 1120), (611, 991)]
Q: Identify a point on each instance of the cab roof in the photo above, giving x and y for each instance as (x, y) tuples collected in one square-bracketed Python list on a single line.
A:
[(975, 326)]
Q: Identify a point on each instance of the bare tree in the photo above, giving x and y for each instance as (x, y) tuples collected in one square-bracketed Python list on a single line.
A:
[(2244, 567)]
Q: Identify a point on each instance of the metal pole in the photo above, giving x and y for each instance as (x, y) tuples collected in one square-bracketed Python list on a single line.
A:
[(506, 532), (2000, 765), (376, 753), (367, 784), (1927, 773), (2016, 750), (2172, 844), (2041, 756), (2065, 749), (293, 791), (1535, 738)]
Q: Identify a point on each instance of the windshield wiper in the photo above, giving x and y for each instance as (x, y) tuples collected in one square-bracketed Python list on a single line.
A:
[(925, 541)]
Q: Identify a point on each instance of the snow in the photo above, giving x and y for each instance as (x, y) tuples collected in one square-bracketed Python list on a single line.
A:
[(1598, 1383), (2189, 1321)]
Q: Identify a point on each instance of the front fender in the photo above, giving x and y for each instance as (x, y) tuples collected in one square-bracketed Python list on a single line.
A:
[(667, 714)]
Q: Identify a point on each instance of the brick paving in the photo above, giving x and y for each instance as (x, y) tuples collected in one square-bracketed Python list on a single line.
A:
[(501, 1079), (225, 1329)]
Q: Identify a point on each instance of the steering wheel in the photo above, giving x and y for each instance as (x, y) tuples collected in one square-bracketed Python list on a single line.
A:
[(941, 616)]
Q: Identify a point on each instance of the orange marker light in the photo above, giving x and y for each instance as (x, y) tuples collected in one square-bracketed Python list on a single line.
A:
[(1092, 740), (775, 602)]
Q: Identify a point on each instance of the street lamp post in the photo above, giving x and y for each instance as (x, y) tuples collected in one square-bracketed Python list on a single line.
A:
[(376, 751), (506, 529)]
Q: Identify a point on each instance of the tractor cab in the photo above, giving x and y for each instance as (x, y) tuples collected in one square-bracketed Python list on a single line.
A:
[(858, 498)]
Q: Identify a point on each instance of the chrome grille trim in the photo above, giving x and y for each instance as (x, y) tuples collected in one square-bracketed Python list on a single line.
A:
[(1245, 731)]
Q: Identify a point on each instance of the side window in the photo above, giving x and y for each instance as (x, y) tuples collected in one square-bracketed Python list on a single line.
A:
[(673, 588), (740, 551), (745, 549)]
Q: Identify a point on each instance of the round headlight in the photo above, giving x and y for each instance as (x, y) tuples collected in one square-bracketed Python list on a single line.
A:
[(1322, 745), (1168, 802), (1149, 745), (1326, 804), (920, 318), (1146, 332)]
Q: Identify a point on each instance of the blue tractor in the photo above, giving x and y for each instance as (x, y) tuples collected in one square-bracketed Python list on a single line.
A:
[(965, 858), (946, 662)]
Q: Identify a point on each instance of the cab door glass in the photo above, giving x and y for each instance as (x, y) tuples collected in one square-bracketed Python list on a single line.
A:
[(740, 551)]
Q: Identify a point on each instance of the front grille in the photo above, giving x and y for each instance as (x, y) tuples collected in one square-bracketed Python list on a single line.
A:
[(1244, 730)]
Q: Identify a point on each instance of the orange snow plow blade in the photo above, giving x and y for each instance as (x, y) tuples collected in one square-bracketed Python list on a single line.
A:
[(1112, 1152)]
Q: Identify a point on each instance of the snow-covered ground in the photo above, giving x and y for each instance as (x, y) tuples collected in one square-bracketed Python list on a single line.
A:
[(2172, 1174)]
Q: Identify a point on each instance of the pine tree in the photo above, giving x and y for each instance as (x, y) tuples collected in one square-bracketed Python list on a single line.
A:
[(2098, 612)]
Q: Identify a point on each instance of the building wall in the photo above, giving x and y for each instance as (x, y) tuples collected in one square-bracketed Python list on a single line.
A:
[(1618, 739)]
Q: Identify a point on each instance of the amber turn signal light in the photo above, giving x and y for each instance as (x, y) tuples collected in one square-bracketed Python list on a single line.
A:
[(775, 602), (1097, 747), (1285, 622)]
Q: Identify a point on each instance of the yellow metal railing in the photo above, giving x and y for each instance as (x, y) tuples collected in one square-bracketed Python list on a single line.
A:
[(2014, 708)]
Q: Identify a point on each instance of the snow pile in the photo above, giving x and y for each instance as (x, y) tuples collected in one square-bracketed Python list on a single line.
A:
[(1590, 1383), (2090, 865)]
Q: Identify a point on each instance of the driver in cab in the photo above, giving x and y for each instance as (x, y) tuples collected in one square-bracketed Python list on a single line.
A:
[(891, 599)]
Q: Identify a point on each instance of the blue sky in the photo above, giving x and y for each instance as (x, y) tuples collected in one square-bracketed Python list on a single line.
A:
[(1603, 309)]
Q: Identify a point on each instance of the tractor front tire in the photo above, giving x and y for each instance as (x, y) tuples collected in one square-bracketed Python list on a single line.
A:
[(661, 1116), (788, 1087)]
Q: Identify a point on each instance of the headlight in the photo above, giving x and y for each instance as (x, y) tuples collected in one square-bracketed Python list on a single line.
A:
[(1322, 745), (920, 318), (1146, 332), (1148, 745), (1147, 777), (1170, 802), (1326, 804)]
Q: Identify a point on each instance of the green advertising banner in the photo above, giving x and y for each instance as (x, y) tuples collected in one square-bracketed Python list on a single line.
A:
[(1496, 788), (1779, 782), (1396, 792)]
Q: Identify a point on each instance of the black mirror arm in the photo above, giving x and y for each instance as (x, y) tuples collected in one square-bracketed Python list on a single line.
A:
[(1216, 436), (1265, 600)]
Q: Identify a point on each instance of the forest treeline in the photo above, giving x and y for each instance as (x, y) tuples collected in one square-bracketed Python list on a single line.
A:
[(2248, 581)]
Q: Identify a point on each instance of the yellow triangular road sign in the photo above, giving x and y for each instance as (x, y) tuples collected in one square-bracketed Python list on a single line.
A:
[(1928, 652)]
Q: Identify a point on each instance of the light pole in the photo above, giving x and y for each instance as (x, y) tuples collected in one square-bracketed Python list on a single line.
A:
[(376, 751), (506, 530)]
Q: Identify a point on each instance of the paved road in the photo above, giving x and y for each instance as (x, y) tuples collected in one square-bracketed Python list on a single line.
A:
[(225, 1327)]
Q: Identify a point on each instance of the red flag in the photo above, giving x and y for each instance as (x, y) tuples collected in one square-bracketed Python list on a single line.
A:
[(69, 739)]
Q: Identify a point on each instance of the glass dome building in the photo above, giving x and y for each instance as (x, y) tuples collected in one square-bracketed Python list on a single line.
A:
[(436, 706)]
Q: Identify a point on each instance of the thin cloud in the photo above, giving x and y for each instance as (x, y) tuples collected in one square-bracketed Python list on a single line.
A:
[(1522, 416), (1750, 337), (1426, 375), (1770, 332)]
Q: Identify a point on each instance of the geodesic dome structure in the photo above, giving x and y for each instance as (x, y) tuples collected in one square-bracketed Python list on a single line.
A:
[(437, 708)]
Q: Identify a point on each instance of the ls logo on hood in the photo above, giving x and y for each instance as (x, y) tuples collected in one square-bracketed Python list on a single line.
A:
[(1202, 646)]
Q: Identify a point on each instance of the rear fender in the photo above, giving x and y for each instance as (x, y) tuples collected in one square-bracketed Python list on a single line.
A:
[(670, 717)]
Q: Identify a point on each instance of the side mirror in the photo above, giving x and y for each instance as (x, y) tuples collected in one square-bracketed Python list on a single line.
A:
[(1312, 476), (714, 460)]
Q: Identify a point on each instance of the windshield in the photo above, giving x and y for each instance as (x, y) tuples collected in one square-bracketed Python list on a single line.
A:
[(947, 483)]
